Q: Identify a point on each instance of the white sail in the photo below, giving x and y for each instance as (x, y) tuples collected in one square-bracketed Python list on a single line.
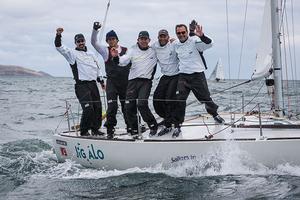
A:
[(218, 73), (263, 65)]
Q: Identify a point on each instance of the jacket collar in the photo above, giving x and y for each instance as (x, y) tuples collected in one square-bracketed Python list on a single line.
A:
[(85, 49)]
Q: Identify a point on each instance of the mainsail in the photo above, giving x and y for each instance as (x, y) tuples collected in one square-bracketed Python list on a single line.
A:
[(263, 65)]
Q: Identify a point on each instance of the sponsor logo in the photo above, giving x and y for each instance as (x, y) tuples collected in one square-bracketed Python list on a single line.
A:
[(63, 151), (61, 142), (91, 153), (182, 158)]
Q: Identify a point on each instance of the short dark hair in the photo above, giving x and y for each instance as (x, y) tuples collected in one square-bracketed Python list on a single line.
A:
[(181, 25)]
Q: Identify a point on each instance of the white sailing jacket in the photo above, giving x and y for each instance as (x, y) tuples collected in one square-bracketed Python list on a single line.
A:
[(188, 54), (167, 58), (87, 64), (143, 62)]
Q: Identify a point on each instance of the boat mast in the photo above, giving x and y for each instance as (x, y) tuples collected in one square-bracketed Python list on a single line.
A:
[(277, 65)]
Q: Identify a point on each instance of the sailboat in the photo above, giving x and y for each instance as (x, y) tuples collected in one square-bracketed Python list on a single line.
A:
[(218, 72), (266, 138)]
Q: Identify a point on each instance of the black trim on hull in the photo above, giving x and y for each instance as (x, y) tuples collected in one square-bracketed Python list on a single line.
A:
[(286, 126)]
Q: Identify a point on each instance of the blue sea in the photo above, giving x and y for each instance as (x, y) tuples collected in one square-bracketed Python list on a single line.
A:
[(32, 110)]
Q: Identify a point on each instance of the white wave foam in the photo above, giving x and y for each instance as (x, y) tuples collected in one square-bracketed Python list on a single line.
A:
[(229, 159)]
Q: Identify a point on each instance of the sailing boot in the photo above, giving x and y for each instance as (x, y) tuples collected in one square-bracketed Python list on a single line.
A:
[(110, 133), (143, 128), (96, 132), (134, 134), (152, 132), (218, 119), (84, 133), (153, 129), (176, 132), (164, 131)]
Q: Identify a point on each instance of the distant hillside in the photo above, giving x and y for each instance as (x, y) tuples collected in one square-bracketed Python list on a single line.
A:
[(11, 70)]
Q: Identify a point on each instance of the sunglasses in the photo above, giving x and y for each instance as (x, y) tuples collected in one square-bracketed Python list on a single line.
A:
[(181, 33), (80, 41)]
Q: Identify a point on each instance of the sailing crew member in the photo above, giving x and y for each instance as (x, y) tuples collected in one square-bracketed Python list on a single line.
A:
[(86, 71), (191, 73), (166, 88), (143, 66), (117, 77)]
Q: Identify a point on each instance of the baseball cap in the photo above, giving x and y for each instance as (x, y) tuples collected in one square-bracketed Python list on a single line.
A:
[(163, 32), (110, 34), (144, 34), (78, 37)]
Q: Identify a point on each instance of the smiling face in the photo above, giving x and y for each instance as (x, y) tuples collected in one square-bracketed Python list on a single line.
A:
[(182, 33), (112, 42), (80, 44), (163, 39), (143, 42)]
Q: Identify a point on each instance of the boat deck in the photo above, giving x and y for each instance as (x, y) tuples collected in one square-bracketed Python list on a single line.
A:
[(201, 127)]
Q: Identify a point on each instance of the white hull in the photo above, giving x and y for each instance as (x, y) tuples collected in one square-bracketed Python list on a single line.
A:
[(277, 146)]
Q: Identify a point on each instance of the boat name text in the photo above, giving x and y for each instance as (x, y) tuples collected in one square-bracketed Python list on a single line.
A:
[(182, 158), (90, 153)]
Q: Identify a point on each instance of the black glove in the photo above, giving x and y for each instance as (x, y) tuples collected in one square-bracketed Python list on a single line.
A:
[(96, 26), (99, 80), (193, 25)]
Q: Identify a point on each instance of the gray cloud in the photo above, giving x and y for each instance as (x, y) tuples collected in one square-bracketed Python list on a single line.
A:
[(28, 28)]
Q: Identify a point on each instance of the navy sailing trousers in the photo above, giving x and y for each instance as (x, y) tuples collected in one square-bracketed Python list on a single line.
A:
[(89, 98), (166, 90), (196, 83), (114, 89), (139, 89)]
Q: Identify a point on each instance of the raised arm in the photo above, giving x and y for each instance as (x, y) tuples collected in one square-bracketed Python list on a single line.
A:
[(205, 42), (101, 49), (63, 50)]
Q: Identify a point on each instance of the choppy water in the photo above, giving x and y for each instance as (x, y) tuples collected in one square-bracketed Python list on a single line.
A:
[(32, 108)]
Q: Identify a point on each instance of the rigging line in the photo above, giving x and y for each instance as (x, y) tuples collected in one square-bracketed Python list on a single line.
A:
[(228, 49), (289, 53), (63, 115), (290, 56), (248, 81), (243, 36), (230, 124), (104, 21), (293, 31), (294, 48), (283, 9), (289, 43), (286, 64)]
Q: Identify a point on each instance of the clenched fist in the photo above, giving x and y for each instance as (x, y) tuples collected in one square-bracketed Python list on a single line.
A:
[(96, 26), (59, 31)]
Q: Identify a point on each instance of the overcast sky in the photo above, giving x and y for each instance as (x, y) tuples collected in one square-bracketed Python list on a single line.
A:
[(28, 28)]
